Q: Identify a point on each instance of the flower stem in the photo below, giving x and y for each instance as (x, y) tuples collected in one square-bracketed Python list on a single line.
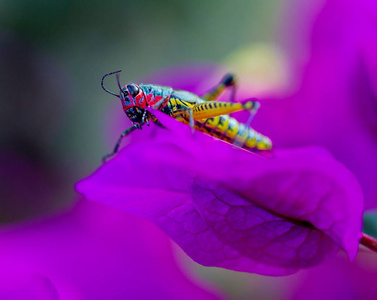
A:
[(369, 242)]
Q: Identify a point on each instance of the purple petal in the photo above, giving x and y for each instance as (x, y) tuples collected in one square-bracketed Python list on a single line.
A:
[(335, 105), (338, 279), (250, 231), (21, 286), (270, 216), (93, 252)]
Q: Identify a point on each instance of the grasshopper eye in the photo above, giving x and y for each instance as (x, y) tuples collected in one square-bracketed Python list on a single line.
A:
[(124, 91), (127, 100), (134, 90)]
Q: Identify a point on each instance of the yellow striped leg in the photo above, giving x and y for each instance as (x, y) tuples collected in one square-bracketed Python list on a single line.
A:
[(212, 109)]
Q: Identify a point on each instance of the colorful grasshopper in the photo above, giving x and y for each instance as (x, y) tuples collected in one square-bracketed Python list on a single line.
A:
[(202, 113)]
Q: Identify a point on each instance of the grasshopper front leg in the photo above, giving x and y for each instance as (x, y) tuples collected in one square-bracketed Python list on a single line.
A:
[(116, 147), (156, 121), (184, 111)]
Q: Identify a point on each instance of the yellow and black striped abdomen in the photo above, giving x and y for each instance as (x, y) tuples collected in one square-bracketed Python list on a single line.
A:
[(230, 130), (222, 127)]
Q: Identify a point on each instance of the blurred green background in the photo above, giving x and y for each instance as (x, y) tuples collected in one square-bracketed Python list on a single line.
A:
[(53, 55)]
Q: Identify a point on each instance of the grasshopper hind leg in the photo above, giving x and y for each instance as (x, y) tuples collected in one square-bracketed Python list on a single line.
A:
[(252, 105), (228, 80)]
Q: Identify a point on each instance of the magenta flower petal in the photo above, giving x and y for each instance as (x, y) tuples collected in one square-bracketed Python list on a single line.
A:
[(21, 286), (230, 208), (338, 279), (335, 105), (253, 237), (93, 252)]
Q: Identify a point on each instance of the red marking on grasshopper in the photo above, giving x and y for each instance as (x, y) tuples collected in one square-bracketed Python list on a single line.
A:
[(153, 100)]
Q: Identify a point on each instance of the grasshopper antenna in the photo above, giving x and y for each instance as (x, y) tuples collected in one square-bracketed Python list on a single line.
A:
[(105, 89), (119, 85)]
